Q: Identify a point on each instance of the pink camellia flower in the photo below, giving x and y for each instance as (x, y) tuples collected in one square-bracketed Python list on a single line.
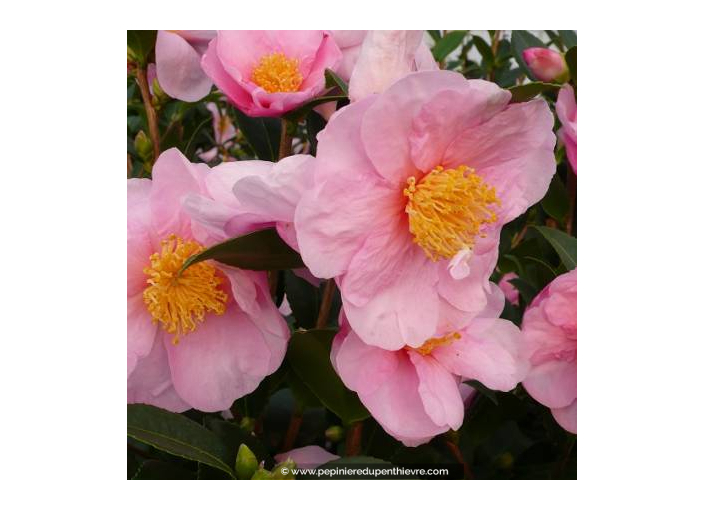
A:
[(204, 337), (550, 338), (223, 130), (268, 73), (508, 289), (546, 64), (308, 457), (411, 187), (566, 109), (177, 55), (417, 393)]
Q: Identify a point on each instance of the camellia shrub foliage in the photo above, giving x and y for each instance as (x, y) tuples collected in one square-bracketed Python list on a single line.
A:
[(353, 251)]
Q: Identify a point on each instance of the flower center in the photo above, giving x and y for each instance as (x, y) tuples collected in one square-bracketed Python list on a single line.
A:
[(447, 210), (179, 301), (276, 73), (432, 343)]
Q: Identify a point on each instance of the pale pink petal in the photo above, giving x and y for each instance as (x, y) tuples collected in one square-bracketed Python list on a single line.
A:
[(439, 391), (141, 331), (392, 114), (567, 417), (386, 56), (178, 68), (227, 83), (308, 457), (553, 383), (150, 381), (512, 151), (139, 234), (487, 351)]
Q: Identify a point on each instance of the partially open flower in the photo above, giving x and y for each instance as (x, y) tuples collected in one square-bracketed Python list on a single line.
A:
[(550, 341), (411, 188), (268, 73), (416, 393), (202, 337)]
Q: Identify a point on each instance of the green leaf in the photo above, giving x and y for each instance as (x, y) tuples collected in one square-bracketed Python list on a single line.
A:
[(159, 470), (177, 435), (565, 245), (525, 289), (485, 51), (571, 59), (315, 123), (332, 79), (527, 91), (233, 436), (258, 251), (569, 37), (309, 357), (262, 133), (556, 202), (300, 113), (448, 44), (490, 394), (140, 44), (522, 40)]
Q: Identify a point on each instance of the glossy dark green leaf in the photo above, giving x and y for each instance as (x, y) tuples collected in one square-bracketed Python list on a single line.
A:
[(302, 111), (332, 79), (315, 123), (571, 59), (526, 289), (488, 393), (140, 44), (309, 357), (564, 244), (233, 436), (177, 435), (527, 91), (522, 40), (569, 38), (159, 470), (262, 133), (258, 251), (556, 202), (449, 42), (484, 50)]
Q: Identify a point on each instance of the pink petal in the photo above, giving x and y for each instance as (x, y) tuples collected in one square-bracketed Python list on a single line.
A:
[(139, 234), (150, 381), (488, 351), (226, 82), (512, 151), (178, 68), (140, 331), (386, 56), (363, 368), (567, 417), (439, 391), (553, 383), (308, 457), (392, 114)]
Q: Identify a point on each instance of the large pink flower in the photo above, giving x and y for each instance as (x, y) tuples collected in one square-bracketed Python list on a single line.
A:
[(415, 393), (566, 109), (203, 338), (550, 338), (268, 73), (411, 188), (177, 55)]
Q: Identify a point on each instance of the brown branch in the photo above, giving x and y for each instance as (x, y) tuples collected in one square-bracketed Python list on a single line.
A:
[(292, 432), (353, 440), (286, 141), (454, 449), (325, 304), (149, 108)]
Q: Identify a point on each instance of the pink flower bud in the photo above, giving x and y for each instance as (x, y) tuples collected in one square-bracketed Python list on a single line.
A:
[(546, 65)]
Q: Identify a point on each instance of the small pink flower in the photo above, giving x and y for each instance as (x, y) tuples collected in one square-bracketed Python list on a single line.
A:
[(409, 256), (508, 289), (214, 338), (417, 393), (268, 73), (566, 108), (177, 55), (307, 457), (550, 338), (546, 64)]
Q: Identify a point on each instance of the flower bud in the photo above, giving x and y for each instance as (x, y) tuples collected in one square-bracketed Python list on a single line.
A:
[(247, 424), (143, 146), (284, 471), (262, 474), (246, 463), (547, 65), (335, 434)]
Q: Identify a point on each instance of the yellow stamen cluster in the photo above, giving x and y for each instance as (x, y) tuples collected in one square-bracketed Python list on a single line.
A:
[(447, 210), (179, 302), (276, 73), (432, 343)]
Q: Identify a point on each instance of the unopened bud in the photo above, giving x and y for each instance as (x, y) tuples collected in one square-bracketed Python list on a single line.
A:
[(284, 471), (246, 463), (247, 424), (262, 474), (335, 434), (546, 65), (143, 146)]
